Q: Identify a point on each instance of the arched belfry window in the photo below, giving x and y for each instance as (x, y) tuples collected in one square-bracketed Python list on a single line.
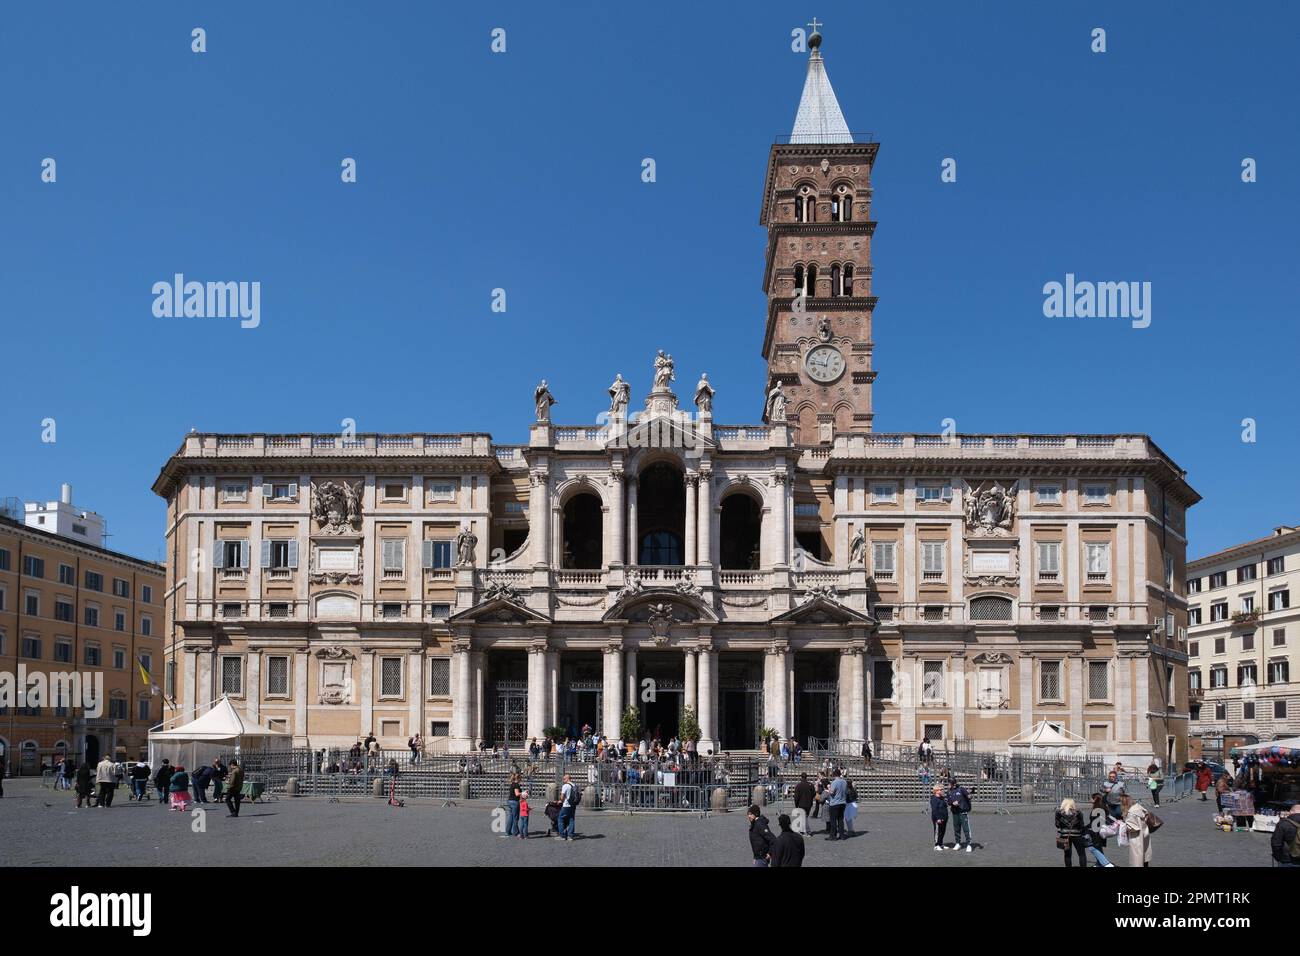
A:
[(798, 280), (842, 205), (848, 278), (835, 279), (805, 205), (812, 281)]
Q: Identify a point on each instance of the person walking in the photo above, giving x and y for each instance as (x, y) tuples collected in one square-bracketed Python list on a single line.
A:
[(178, 787), (199, 782), (570, 797), (523, 814), (140, 780), (760, 836), (866, 755), (836, 799), (85, 786), (959, 806), (938, 815), (1070, 827), (106, 780), (850, 804), (1155, 782), (1137, 823), (1285, 842), (416, 744), (925, 752), (1100, 826), (69, 772), (162, 780), (787, 849), (1112, 789), (804, 796), (1204, 778), (218, 777), (514, 794), (234, 788)]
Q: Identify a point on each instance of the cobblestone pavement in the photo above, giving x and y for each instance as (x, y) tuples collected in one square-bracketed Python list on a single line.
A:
[(39, 827)]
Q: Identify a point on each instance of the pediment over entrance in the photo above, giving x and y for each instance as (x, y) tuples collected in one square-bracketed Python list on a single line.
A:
[(651, 602), (499, 611), (672, 431), (823, 610)]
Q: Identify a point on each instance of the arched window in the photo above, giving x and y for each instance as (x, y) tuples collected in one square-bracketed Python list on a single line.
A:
[(848, 278), (740, 530), (835, 279), (805, 205), (990, 608), (798, 280), (583, 527), (812, 282), (842, 205)]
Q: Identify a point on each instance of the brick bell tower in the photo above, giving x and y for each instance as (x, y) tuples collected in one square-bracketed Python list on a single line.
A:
[(817, 210)]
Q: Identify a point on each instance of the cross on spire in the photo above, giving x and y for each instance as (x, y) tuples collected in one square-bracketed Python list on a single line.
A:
[(815, 24)]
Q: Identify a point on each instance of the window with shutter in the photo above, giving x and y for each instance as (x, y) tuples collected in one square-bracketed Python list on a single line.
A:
[(932, 681), (1098, 559), (232, 675), (882, 559), (440, 677), (394, 557), (390, 677), (1049, 560), (1049, 680), (1099, 680), (277, 676), (932, 560)]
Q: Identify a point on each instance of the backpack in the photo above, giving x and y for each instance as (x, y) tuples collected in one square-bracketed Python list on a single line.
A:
[(575, 795)]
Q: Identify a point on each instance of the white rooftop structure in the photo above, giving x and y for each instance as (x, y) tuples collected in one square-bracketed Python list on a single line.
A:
[(64, 519), (820, 119)]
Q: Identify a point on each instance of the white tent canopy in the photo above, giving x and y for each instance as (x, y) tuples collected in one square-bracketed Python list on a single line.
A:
[(1048, 739), (1290, 742), (221, 731)]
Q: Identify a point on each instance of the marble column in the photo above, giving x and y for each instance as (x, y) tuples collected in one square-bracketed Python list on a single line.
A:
[(477, 717), (613, 683), (857, 703), (692, 518), (553, 687), (617, 515), (416, 691), (461, 724), (253, 688), (301, 659), (692, 686), (844, 719), (779, 514), (704, 505), (708, 700), (777, 686), (1026, 693), (632, 694), (367, 696), (632, 535), (536, 691), (958, 662), (539, 513)]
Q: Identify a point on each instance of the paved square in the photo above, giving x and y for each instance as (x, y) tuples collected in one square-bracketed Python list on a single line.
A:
[(39, 827)]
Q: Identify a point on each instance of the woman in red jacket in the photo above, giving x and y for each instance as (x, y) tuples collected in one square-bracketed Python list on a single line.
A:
[(1204, 777)]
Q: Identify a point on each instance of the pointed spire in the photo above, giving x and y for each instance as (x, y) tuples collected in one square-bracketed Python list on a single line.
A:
[(819, 119)]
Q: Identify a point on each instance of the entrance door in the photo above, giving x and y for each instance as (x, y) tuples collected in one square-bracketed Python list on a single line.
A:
[(508, 721), (92, 749), (740, 717), (661, 715), (816, 711)]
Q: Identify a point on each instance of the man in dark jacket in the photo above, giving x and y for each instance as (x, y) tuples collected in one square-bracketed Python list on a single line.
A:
[(234, 788), (162, 780), (959, 805), (788, 848), (804, 795), (1284, 838), (760, 836), (199, 783)]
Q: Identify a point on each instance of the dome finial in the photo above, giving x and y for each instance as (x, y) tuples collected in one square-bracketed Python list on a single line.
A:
[(815, 39)]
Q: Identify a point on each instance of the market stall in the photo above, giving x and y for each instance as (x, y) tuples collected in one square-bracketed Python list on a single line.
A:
[(222, 731), (1270, 773)]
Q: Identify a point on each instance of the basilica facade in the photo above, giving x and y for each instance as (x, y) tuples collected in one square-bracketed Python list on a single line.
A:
[(805, 574)]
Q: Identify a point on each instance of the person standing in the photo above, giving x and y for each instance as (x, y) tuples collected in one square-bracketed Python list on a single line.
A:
[(1112, 789), (106, 779), (760, 836), (235, 788), (69, 772), (1222, 790), (1100, 827), (787, 849), (959, 805), (199, 781), (1069, 832), (804, 796), (85, 786), (938, 815), (1285, 842), (1136, 820), (514, 794), (569, 800), (836, 798), (1204, 778), (179, 788), (162, 780), (1155, 782), (524, 810), (866, 755), (218, 777)]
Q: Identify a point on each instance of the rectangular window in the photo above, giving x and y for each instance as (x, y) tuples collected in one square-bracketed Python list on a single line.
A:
[(1279, 637), (1193, 616), (390, 677), (34, 567), (437, 555), (1218, 677), (439, 728), (1169, 571), (1246, 675), (1096, 494), (440, 489), (93, 657), (882, 673), (1220, 645), (146, 661), (1194, 679), (1219, 579), (930, 493), (1277, 565), (394, 557), (32, 604), (1248, 641), (119, 658), (4, 559), (277, 677), (234, 491), (94, 581), (119, 620), (232, 675), (882, 559), (884, 493), (1220, 710), (1279, 672), (1246, 573), (1098, 680), (64, 611), (63, 652), (1279, 710), (440, 612), (1049, 560), (1194, 649), (932, 681), (121, 588), (67, 574), (233, 554), (1193, 585), (143, 709), (32, 647), (440, 676), (146, 626), (146, 594), (92, 616), (1279, 600), (1048, 494), (280, 490), (932, 560), (1049, 680), (394, 491), (1098, 555), (391, 611), (2, 600), (1219, 611), (1248, 710)]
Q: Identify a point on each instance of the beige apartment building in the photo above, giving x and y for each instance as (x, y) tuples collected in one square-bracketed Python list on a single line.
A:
[(72, 607), (1243, 637), (804, 573)]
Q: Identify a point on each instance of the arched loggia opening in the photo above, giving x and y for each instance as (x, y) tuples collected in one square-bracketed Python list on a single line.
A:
[(740, 533), (661, 516), (583, 544)]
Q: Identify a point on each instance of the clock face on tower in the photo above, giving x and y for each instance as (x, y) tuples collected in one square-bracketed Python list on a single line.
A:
[(824, 363)]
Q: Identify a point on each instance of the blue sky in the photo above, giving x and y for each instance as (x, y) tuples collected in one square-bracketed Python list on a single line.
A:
[(522, 171)]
